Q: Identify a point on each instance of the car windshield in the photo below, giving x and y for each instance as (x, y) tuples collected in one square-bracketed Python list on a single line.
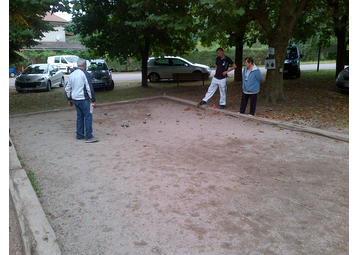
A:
[(72, 59), (36, 69), (97, 66), (291, 53)]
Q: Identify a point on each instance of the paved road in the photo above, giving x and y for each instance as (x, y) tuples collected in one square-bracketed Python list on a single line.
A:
[(136, 76)]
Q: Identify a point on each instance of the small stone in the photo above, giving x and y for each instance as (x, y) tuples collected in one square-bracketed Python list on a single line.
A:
[(127, 125), (148, 114), (122, 125), (105, 113), (177, 120), (144, 122)]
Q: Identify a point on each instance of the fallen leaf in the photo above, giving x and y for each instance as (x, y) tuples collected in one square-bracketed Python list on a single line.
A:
[(261, 131), (144, 145), (273, 146), (233, 179), (244, 183), (340, 244), (277, 179)]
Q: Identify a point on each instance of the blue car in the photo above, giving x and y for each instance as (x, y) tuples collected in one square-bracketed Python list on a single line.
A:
[(12, 72)]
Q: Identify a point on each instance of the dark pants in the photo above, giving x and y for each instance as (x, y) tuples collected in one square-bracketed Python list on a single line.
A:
[(245, 100), (84, 118)]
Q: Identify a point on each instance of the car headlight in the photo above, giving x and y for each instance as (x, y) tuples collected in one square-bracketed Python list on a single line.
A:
[(41, 78), (208, 69), (287, 61)]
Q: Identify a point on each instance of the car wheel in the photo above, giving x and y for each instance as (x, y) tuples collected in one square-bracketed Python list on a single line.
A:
[(111, 86), (48, 86), (20, 91), (298, 75), (154, 77), (12, 75), (62, 82)]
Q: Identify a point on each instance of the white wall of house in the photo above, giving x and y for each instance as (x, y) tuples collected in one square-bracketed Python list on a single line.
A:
[(55, 36)]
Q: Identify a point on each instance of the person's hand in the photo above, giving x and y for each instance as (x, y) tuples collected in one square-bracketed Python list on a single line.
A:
[(94, 104), (70, 102), (224, 73)]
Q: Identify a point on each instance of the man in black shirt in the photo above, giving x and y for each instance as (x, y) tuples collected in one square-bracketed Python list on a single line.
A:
[(220, 78)]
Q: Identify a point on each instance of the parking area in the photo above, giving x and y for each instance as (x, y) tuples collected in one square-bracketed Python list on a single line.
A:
[(188, 181)]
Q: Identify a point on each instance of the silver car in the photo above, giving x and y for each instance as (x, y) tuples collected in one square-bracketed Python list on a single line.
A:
[(39, 77), (163, 67)]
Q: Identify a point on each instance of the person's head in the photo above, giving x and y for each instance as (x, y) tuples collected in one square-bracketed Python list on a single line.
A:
[(249, 62), (81, 63), (220, 52)]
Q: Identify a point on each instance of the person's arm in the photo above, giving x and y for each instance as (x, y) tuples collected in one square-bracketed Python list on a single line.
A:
[(229, 70), (68, 90)]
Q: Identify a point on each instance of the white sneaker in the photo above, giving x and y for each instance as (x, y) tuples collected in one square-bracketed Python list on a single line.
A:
[(251, 115)]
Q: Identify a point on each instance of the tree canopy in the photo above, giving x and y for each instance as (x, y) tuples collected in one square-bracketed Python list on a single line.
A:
[(136, 28), (26, 24)]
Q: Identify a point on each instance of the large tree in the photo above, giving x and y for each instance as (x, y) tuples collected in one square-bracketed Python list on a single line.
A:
[(222, 21), (325, 20), (277, 19), (26, 24), (135, 28)]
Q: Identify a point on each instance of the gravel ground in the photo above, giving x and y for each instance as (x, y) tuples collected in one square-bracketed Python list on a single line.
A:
[(205, 184)]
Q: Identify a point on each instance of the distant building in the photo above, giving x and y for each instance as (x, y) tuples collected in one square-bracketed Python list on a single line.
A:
[(56, 40)]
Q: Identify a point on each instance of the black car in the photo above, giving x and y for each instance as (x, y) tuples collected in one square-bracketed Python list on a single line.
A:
[(101, 75), (342, 81), (292, 62)]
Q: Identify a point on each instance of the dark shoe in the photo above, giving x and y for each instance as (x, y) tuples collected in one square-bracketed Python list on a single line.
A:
[(222, 106), (91, 140), (79, 138), (201, 103)]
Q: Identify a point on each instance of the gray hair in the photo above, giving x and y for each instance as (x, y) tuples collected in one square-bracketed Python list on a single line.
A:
[(81, 62)]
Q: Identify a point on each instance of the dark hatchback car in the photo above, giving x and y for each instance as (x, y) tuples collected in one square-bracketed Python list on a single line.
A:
[(101, 75), (292, 62), (342, 81)]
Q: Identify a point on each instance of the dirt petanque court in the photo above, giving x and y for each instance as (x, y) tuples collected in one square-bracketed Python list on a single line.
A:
[(189, 181)]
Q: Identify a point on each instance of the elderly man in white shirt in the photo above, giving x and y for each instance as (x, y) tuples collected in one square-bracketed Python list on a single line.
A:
[(79, 91)]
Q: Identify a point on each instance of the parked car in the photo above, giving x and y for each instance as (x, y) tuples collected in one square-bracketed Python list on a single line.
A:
[(292, 62), (66, 63), (342, 81), (101, 75), (39, 77), (163, 67), (12, 72)]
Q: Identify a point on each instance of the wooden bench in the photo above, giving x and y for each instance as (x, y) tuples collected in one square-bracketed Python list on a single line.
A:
[(189, 77)]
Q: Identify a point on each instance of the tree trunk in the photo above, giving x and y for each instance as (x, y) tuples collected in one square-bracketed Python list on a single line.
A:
[(239, 50), (274, 79), (145, 55), (341, 48)]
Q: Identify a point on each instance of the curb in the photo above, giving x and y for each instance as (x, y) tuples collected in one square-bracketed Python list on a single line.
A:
[(37, 234)]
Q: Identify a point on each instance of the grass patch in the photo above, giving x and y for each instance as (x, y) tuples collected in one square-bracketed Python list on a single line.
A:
[(32, 178)]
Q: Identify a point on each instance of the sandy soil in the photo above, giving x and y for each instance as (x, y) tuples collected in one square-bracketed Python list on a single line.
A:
[(208, 184)]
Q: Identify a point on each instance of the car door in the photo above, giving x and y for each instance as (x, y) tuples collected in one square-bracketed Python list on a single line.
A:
[(179, 66), (58, 74), (163, 68), (51, 75)]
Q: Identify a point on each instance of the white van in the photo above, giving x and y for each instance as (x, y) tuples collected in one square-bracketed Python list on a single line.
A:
[(66, 63)]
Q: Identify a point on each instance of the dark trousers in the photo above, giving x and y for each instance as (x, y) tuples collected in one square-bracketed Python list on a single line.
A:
[(245, 100)]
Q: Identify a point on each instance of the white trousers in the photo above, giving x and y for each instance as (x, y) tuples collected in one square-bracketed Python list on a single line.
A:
[(215, 83)]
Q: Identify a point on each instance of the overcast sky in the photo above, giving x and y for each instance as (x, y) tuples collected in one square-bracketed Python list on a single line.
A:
[(64, 15)]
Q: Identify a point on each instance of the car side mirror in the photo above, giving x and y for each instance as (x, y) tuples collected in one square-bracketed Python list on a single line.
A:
[(111, 69), (301, 56)]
